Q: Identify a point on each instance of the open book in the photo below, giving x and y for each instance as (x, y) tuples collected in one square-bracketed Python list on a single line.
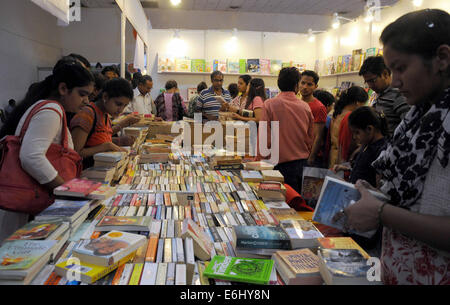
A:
[(336, 195)]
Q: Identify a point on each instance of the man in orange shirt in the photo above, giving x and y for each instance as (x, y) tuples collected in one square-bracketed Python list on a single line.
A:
[(296, 129)]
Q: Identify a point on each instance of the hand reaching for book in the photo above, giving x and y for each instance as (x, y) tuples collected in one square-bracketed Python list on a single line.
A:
[(362, 216), (109, 146)]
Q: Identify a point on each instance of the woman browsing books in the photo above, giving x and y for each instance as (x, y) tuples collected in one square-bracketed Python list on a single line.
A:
[(415, 164), (252, 111), (44, 108), (91, 128), (243, 83)]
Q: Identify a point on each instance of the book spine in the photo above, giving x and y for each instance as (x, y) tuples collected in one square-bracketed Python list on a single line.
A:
[(250, 243)]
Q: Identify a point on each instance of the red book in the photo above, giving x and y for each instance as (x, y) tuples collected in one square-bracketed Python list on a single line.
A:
[(117, 200), (270, 186), (77, 188)]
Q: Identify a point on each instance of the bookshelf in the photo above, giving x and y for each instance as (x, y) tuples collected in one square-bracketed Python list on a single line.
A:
[(208, 73)]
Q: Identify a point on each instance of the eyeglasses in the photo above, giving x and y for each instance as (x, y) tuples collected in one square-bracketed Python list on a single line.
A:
[(372, 80), (218, 80)]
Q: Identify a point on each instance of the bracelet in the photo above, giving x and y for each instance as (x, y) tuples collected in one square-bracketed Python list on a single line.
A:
[(380, 211)]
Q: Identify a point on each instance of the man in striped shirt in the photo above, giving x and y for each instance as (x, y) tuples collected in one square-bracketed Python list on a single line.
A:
[(210, 100), (389, 100)]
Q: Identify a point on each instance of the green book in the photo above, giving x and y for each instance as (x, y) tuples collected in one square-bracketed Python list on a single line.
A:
[(197, 65), (242, 66), (237, 269)]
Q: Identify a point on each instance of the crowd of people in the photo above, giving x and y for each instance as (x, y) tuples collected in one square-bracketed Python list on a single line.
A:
[(400, 145)]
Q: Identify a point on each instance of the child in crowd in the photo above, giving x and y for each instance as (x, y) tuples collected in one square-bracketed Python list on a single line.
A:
[(91, 128)]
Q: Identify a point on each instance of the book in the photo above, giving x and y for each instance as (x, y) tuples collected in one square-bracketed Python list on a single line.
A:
[(67, 210), (40, 230), (237, 269), (260, 237), (102, 193), (298, 267), (203, 244), (312, 181), (21, 260), (334, 196), (258, 165), (209, 66), (271, 191), (124, 223), (253, 66), (109, 248), (197, 65), (222, 66), (340, 243), (272, 175), (264, 66), (302, 233), (251, 176), (242, 66), (86, 272), (343, 267), (275, 66), (105, 173), (182, 65), (77, 188), (111, 156), (233, 66)]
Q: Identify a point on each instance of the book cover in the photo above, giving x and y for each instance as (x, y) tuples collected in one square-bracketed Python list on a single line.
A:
[(298, 267), (68, 210), (299, 65), (242, 66), (209, 66), (222, 66), (302, 233), (233, 66), (313, 178), (197, 65), (339, 266), (272, 175), (215, 63), (182, 65), (264, 66), (340, 62), (87, 272), (251, 176), (111, 156), (253, 66), (109, 248), (371, 52), (334, 196), (36, 230), (247, 270), (340, 243), (275, 66), (203, 244), (22, 254), (346, 63), (124, 223), (77, 187), (260, 237)]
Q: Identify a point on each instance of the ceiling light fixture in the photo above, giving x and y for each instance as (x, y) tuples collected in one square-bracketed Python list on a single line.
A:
[(417, 3), (311, 36), (337, 20), (371, 11), (175, 2)]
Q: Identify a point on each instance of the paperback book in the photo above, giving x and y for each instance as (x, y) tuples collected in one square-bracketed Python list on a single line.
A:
[(77, 188), (124, 223), (40, 230)]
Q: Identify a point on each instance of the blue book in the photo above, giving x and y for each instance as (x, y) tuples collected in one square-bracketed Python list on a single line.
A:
[(336, 195), (261, 237)]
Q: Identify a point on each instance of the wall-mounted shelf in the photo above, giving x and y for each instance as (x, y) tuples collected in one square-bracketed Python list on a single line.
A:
[(341, 74), (209, 73)]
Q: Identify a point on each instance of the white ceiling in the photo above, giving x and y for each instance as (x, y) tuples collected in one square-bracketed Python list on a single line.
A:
[(347, 8)]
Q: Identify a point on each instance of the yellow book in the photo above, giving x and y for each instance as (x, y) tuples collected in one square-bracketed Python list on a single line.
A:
[(136, 275), (88, 273), (341, 243)]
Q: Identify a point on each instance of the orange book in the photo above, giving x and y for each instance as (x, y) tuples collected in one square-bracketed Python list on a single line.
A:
[(151, 249), (129, 180), (95, 235), (167, 201), (139, 258), (118, 274), (187, 212), (256, 218), (53, 279), (134, 200)]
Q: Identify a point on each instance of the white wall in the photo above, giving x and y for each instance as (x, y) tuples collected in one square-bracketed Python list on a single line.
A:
[(29, 39)]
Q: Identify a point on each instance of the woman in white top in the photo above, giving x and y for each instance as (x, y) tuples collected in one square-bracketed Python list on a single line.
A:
[(69, 87), (415, 165)]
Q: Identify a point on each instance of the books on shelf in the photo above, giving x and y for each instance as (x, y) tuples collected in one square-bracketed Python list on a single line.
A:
[(298, 267), (77, 188), (222, 66), (237, 269), (40, 229), (197, 65), (109, 248), (264, 66), (124, 223), (343, 267), (233, 66), (275, 66), (242, 66), (334, 196), (182, 65)]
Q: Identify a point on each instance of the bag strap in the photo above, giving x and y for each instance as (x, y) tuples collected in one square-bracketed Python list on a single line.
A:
[(38, 108), (94, 123)]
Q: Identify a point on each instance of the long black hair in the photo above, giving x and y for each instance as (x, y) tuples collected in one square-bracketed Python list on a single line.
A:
[(367, 116), (257, 88), (350, 97), (67, 70), (117, 87)]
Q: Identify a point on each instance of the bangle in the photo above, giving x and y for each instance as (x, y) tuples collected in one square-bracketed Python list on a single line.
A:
[(380, 211)]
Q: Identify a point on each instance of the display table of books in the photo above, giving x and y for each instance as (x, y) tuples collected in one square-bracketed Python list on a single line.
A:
[(182, 222)]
